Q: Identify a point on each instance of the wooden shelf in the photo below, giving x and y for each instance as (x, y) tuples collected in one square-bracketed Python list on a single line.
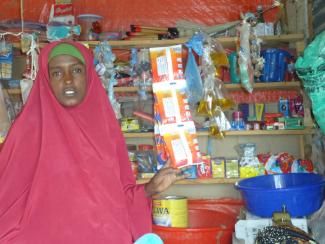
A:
[(284, 85), (227, 42), (305, 131), (198, 181)]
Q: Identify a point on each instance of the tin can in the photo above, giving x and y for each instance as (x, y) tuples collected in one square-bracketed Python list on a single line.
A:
[(170, 211)]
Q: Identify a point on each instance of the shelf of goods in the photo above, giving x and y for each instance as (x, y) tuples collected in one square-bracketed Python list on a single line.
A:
[(293, 41)]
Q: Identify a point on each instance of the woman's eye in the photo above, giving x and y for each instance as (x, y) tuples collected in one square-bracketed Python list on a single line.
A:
[(77, 70), (56, 74)]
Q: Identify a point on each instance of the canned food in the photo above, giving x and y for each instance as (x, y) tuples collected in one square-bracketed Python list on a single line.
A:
[(170, 211)]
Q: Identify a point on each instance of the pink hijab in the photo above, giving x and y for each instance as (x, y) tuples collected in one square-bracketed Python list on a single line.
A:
[(65, 176)]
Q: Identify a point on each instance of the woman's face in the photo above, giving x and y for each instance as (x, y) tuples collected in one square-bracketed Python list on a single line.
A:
[(68, 79)]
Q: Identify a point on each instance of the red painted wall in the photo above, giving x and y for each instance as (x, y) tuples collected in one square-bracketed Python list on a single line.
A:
[(119, 14)]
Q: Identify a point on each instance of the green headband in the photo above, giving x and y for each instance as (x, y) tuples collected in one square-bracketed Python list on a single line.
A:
[(66, 49)]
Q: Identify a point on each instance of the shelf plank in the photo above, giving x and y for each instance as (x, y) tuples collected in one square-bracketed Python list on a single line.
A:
[(305, 131), (285, 85), (198, 181), (227, 42)]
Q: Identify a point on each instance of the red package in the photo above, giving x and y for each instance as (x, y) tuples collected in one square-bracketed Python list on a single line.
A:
[(204, 169)]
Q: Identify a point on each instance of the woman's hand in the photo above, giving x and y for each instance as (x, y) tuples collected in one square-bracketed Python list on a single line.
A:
[(164, 178)]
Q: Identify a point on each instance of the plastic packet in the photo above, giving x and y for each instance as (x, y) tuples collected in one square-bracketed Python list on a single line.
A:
[(214, 93), (244, 60), (192, 72), (141, 71), (104, 64), (219, 57), (218, 125)]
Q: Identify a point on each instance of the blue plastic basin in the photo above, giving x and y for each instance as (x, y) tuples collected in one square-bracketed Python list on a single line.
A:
[(301, 193)]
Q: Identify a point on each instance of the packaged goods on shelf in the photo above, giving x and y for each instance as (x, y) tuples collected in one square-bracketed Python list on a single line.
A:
[(218, 167), (232, 168), (204, 169)]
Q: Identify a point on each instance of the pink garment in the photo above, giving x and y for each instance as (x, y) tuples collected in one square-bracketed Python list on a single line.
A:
[(65, 176)]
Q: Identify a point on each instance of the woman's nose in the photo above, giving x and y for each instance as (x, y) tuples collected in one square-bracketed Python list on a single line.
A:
[(68, 78)]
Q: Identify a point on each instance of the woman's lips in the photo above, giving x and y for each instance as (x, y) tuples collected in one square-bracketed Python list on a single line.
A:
[(69, 92)]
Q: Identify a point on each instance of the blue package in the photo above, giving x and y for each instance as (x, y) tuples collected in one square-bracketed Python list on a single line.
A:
[(275, 64), (284, 107), (191, 171)]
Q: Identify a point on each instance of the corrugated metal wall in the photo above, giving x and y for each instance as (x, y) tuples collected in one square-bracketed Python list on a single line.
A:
[(319, 16)]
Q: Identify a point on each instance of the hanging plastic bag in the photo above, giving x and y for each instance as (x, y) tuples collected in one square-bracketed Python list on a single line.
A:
[(244, 60), (192, 73), (104, 58), (214, 93)]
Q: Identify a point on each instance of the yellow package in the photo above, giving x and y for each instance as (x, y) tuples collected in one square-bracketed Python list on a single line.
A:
[(218, 167)]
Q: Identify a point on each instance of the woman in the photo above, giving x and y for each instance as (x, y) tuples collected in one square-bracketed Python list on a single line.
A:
[(65, 176)]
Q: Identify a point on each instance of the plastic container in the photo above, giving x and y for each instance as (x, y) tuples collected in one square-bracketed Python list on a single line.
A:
[(86, 22), (301, 193), (210, 221), (205, 226)]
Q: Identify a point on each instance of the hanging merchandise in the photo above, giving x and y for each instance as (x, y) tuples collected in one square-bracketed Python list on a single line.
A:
[(244, 54), (104, 65), (192, 72), (6, 59), (30, 47), (141, 71), (175, 132), (215, 98)]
